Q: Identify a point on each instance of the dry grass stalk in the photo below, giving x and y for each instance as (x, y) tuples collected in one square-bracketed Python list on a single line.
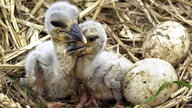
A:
[(110, 33), (98, 9), (6, 102), (29, 24), (37, 7), (89, 9), (8, 66), (25, 48)]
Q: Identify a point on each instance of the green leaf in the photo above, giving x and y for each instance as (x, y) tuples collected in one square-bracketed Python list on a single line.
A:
[(11, 77), (162, 87), (84, 1), (113, 2), (128, 104), (183, 83), (129, 107), (41, 104)]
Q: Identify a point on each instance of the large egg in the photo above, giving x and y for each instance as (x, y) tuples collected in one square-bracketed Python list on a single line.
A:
[(168, 41), (145, 78)]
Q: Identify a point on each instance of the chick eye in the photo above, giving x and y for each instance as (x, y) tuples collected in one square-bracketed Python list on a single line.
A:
[(92, 38), (58, 24)]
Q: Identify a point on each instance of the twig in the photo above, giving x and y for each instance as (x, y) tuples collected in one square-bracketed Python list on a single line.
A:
[(29, 24), (90, 8), (37, 6), (8, 67), (25, 48), (98, 9), (109, 31)]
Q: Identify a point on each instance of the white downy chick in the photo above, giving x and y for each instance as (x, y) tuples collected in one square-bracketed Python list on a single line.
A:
[(48, 71), (101, 71)]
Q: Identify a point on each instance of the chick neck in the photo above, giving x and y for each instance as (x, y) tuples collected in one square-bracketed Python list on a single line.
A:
[(59, 48), (66, 62), (83, 62), (92, 52)]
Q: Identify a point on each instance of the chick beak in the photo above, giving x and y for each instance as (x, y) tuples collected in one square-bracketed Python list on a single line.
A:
[(73, 48), (76, 33)]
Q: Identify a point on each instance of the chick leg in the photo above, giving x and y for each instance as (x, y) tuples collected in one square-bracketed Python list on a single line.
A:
[(83, 99), (118, 96), (41, 88), (50, 104), (92, 101)]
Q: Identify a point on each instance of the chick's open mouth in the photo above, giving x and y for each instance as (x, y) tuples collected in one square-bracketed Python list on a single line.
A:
[(74, 48)]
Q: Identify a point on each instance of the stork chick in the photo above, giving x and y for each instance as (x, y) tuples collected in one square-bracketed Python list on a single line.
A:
[(48, 71), (101, 71)]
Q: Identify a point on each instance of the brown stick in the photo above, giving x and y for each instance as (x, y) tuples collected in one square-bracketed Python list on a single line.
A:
[(109, 31)]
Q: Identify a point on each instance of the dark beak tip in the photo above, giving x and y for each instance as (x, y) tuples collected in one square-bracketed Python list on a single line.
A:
[(77, 34)]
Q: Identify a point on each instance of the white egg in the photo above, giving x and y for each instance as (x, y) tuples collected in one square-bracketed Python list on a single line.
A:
[(168, 41), (145, 78)]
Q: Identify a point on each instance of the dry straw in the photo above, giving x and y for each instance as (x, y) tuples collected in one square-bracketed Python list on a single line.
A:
[(6, 102), (126, 22)]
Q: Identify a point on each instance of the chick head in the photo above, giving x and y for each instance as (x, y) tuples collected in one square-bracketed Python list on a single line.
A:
[(61, 21), (96, 38)]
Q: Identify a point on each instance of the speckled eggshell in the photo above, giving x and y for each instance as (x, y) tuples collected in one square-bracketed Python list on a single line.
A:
[(145, 78), (168, 41)]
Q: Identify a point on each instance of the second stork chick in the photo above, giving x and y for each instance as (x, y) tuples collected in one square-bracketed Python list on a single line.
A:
[(101, 71)]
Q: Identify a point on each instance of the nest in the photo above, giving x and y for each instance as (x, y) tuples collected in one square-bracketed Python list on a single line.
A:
[(126, 22)]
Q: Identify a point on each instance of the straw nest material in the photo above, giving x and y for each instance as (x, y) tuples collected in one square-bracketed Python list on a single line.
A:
[(126, 22)]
